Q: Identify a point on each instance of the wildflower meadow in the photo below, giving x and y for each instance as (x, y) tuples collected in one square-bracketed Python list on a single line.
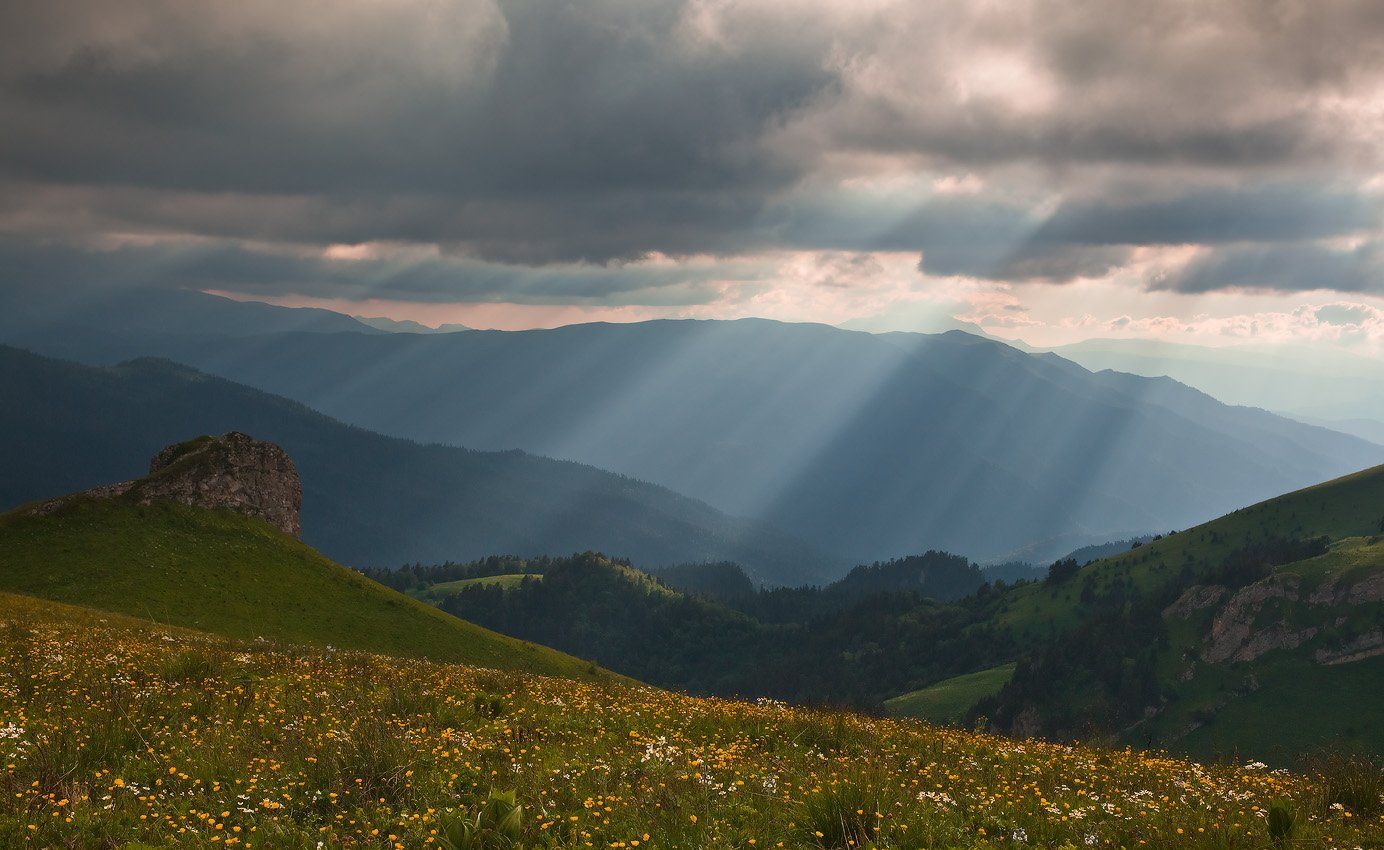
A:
[(118, 733)]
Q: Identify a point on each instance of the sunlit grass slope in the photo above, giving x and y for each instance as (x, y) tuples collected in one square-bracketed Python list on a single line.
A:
[(441, 590), (225, 573), (948, 700), (125, 734)]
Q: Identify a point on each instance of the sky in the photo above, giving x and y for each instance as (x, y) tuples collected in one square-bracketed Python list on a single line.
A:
[(1052, 170)]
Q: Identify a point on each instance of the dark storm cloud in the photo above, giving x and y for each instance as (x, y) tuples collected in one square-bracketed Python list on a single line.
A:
[(1261, 213), (234, 267), (524, 133), (956, 235), (980, 237), (1291, 267), (577, 226), (1092, 238), (595, 115), (556, 98)]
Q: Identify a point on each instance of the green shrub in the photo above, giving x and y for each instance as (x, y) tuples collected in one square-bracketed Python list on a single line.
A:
[(496, 826), (1282, 822), (488, 705)]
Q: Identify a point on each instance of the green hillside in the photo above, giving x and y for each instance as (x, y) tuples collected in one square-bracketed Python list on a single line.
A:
[(1110, 651), (220, 572), (855, 642), (948, 700), (1350, 506), (1259, 632), (1230, 707)]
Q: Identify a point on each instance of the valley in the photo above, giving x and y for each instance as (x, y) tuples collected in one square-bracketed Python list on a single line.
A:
[(1173, 643)]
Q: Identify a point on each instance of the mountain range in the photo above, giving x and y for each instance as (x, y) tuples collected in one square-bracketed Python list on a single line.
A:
[(368, 499), (866, 446), (42, 311)]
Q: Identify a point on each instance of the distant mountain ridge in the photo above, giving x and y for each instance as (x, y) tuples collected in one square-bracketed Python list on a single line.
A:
[(869, 446), (1303, 382), (367, 499), (36, 311), (408, 326), (1365, 429)]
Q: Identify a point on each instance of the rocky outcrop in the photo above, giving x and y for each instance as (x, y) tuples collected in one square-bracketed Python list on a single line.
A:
[(1275, 636), (1364, 646), (233, 472), (1366, 591), (1196, 598), (1233, 636), (1238, 635)]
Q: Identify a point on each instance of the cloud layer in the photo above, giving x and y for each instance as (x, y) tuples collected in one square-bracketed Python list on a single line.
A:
[(655, 152)]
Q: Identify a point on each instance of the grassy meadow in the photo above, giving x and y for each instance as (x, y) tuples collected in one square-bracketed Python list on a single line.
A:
[(120, 733)]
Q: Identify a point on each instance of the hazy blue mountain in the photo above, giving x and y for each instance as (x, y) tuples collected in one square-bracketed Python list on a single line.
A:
[(871, 446), (1040, 553), (34, 311), (1106, 550), (368, 499), (935, 325), (1010, 572), (1365, 429), (408, 326), (1311, 381)]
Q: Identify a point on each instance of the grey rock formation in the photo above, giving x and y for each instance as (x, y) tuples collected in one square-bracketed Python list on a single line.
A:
[(1241, 630), (1233, 634), (232, 472), (1364, 646)]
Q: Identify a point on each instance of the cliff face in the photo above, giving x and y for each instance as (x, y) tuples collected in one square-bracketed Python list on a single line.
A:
[(233, 472)]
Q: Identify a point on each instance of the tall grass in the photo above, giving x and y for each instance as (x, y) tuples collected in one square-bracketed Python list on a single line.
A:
[(1352, 780)]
